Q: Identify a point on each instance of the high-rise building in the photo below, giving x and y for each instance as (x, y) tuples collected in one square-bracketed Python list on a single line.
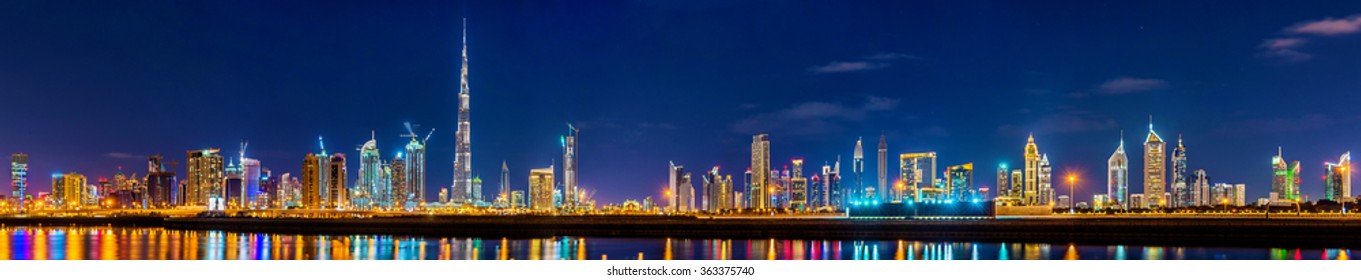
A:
[(18, 177), (58, 190), (541, 190), (717, 191), (1003, 181), (311, 180), (1183, 194), (1155, 170), (160, 183), (883, 188), (833, 195), (1286, 178), (798, 188), (250, 171), (1030, 193), (204, 182), (917, 171), (503, 197), (959, 182), (757, 190), (569, 168), (400, 191), (857, 190), (1202, 194), (463, 153), (415, 170), (476, 196), (1337, 179), (336, 178), (73, 190), (1117, 177), (1046, 185), (517, 199), (233, 185), (1018, 185), (368, 193)]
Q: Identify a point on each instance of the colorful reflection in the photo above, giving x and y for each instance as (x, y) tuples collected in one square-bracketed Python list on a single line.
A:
[(127, 243)]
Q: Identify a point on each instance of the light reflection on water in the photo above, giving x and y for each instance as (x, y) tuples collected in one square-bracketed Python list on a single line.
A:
[(125, 243)]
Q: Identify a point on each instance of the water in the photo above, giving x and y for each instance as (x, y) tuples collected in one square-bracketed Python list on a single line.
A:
[(125, 243)]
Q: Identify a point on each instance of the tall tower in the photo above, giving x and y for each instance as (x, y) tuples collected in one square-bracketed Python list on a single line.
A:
[(463, 153), (18, 176), (883, 186), (504, 195), (1337, 179), (367, 193), (760, 172), (1286, 178), (1117, 176), (1183, 193), (857, 167), (311, 180), (1155, 170), (569, 168), (205, 177), (1045, 188), (335, 182), (397, 183), (1030, 191), (415, 169)]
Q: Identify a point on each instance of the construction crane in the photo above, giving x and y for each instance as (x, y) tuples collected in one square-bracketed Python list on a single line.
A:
[(427, 136), (321, 143), (410, 132)]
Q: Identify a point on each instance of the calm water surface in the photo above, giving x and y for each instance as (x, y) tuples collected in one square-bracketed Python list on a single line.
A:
[(124, 243)]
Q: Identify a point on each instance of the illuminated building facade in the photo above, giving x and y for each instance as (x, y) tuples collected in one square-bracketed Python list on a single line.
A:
[(1155, 171), (206, 177), (517, 199), (1046, 184), (541, 189), (959, 182), (883, 188), (160, 184), (857, 189), (234, 182), (1018, 186), (415, 171), (1285, 178), (73, 191), (1030, 193), (368, 193), (400, 191), (760, 172), (251, 175), (1337, 179), (476, 198), (18, 177), (1183, 193), (718, 191), (463, 152), (1202, 194), (918, 173), (1117, 177), (336, 190), (1003, 181), (833, 196), (569, 168), (311, 180), (503, 197)]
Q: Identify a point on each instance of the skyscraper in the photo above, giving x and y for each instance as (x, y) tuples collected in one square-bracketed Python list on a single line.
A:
[(1003, 181), (335, 180), (18, 176), (311, 180), (760, 172), (250, 170), (1046, 185), (883, 186), (159, 183), (718, 192), (1030, 192), (569, 168), (475, 194), (857, 190), (1117, 176), (415, 169), (918, 173), (463, 153), (541, 189), (798, 187), (368, 193), (1200, 183), (1286, 178), (679, 200), (205, 178), (398, 187), (959, 182), (1337, 179), (58, 190), (504, 195), (1155, 170), (1183, 195)]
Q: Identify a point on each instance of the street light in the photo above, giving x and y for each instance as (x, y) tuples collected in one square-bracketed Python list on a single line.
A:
[(1071, 199)]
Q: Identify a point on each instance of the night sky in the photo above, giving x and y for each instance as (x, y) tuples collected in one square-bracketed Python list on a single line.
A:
[(88, 86)]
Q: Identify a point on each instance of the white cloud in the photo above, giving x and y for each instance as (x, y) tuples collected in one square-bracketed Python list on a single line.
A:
[(1123, 85)]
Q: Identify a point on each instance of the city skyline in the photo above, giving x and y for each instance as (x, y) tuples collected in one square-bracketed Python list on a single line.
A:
[(834, 94)]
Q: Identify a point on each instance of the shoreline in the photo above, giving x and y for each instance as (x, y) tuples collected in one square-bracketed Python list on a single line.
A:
[(1160, 231)]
